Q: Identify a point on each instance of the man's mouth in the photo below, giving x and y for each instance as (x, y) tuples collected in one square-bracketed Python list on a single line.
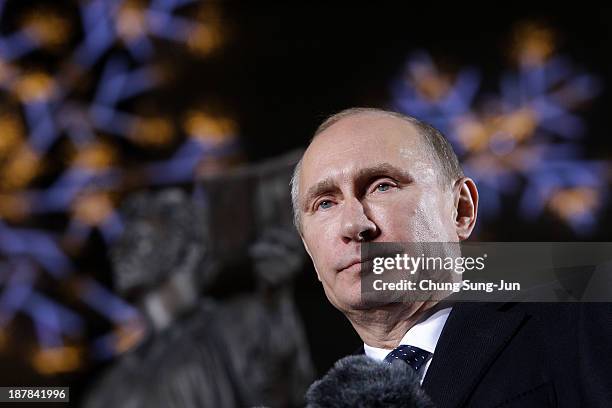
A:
[(352, 265)]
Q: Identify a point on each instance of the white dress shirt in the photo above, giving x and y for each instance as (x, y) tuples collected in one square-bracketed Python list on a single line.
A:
[(423, 335)]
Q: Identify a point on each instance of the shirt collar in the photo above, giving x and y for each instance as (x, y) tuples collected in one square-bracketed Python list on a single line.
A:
[(424, 335)]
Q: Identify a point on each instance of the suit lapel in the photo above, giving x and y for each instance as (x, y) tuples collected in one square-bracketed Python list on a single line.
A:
[(472, 337)]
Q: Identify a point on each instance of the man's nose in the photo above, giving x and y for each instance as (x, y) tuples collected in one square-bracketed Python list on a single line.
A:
[(356, 225)]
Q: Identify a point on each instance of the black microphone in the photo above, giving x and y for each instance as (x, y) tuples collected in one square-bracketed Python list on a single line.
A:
[(359, 381)]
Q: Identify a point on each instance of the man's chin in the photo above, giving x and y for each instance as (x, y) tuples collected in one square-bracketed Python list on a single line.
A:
[(369, 304), (350, 299), (345, 298), (358, 302)]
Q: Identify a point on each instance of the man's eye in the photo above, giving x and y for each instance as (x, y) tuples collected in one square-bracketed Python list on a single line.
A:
[(324, 205), (382, 187)]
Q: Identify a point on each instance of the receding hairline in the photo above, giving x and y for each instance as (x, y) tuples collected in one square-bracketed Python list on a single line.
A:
[(424, 130), (353, 112)]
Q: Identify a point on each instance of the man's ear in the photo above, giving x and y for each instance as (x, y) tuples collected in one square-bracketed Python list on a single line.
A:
[(310, 255), (466, 207)]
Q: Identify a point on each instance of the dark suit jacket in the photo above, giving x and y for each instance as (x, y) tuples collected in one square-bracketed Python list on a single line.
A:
[(523, 355)]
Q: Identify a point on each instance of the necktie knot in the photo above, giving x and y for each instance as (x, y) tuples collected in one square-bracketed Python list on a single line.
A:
[(413, 356)]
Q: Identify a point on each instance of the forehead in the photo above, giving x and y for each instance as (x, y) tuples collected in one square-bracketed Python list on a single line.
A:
[(361, 141)]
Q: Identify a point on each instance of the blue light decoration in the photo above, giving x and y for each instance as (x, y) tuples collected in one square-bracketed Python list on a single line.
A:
[(118, 55), (524, 139)]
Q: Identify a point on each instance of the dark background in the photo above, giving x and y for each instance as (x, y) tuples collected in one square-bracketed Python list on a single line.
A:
[(284, 67)]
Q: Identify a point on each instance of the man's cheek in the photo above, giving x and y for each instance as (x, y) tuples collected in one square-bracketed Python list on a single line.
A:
[(319, 258), (395, 223)]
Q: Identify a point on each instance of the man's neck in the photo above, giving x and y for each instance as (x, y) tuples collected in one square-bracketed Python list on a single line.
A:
[(384, 327)]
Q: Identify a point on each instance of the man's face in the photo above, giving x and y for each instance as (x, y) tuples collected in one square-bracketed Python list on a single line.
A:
[(373, 174)]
